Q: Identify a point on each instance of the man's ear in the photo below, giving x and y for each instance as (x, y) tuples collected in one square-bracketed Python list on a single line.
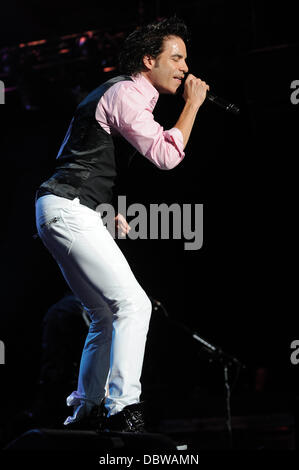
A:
[(148, 62)]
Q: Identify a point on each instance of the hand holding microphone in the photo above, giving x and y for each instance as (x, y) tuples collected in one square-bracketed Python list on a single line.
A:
[(196, 90)]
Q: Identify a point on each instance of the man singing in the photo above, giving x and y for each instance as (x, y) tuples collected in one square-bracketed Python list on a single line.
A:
[(89, 162)]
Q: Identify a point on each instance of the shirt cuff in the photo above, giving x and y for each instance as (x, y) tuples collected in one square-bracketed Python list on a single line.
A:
[(175, 136)]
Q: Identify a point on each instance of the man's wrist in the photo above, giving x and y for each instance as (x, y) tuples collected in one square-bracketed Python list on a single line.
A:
[(189, 104)]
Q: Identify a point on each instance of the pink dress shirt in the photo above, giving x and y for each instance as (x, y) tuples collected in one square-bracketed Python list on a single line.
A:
[(127, 108)]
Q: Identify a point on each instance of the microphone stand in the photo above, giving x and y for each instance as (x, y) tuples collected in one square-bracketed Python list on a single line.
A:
[(217, 354), (227, 360)]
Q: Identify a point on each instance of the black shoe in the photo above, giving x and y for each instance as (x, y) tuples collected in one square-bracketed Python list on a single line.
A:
[(129, 419), (92, 422)]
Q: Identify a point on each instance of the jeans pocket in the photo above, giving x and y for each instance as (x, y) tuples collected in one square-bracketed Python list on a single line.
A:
[(55, 233), (80, 218)]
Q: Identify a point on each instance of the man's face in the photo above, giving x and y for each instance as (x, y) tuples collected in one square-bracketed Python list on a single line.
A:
[(167, 70)]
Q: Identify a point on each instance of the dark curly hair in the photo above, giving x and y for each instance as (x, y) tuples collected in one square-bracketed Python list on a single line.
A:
[(148, 40)]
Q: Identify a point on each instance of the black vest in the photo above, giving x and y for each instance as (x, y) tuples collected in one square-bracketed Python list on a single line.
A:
[(89, 160)]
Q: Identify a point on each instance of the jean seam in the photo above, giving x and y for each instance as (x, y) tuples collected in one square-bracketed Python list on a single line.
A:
[(73, 238)]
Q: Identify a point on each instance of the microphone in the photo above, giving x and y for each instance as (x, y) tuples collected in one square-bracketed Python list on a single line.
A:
[(230, 107)]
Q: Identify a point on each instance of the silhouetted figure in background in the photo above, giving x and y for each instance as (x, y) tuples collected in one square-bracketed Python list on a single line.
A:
[(64, 329)]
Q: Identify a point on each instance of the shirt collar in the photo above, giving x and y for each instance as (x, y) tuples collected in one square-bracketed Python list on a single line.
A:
[(150, 92)]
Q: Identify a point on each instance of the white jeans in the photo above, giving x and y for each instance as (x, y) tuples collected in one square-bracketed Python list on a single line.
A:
[(99, 275)]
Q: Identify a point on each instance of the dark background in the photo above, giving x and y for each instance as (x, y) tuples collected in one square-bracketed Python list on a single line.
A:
[(236, 291)]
